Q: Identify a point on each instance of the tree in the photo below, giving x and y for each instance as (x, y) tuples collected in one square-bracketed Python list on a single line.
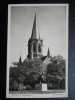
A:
[(56, 72)]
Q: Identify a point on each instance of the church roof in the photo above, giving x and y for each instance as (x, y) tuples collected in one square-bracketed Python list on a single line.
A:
[(43, 58), (35, 33)]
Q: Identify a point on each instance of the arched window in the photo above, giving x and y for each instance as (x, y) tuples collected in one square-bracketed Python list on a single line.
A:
[(34, 47), (39, 48)]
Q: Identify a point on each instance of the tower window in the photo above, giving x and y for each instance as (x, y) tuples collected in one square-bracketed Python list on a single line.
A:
[(34, 55), (39, 48), (34, 47)]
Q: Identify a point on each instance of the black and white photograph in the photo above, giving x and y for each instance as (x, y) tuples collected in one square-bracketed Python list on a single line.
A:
[(37, 51)]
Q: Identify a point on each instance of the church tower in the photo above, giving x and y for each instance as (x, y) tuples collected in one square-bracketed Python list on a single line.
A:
[(35, 43)]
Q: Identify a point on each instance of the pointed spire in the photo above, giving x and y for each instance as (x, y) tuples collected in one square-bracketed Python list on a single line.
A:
[(48, 53), (35, 33), (20, 61)]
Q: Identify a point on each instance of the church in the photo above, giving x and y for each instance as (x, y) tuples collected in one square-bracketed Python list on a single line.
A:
[(35, 47)]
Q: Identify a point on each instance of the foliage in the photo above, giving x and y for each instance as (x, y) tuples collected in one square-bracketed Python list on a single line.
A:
[(27, 74), (56, 72)]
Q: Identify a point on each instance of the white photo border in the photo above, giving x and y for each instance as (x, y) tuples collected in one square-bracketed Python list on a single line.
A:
[(44, 95)]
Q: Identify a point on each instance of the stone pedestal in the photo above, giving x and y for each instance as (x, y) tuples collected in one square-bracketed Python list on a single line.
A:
[(44, 87)]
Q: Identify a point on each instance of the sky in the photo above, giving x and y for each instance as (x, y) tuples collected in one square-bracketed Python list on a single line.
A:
[(52, 25)]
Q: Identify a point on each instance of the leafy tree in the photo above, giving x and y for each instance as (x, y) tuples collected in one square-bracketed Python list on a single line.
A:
[(28, 72), (56, 72)]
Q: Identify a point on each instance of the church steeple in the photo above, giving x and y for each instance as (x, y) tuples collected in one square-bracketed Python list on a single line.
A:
[(48, 53), (35, 33), (35, 43)]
